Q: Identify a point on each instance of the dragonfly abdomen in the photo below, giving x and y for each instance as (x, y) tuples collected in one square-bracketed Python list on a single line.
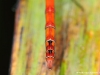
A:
[(50, 33)]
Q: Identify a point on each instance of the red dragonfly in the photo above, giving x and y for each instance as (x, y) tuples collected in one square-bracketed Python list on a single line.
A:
[(50, 33)]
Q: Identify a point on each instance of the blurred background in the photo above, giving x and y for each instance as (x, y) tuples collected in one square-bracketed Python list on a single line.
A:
[(77, 49)]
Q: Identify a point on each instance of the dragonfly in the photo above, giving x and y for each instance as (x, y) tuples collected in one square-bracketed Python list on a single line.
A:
[(50, 33)]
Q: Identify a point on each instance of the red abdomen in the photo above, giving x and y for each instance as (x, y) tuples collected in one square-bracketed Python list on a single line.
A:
[(50, 33)]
